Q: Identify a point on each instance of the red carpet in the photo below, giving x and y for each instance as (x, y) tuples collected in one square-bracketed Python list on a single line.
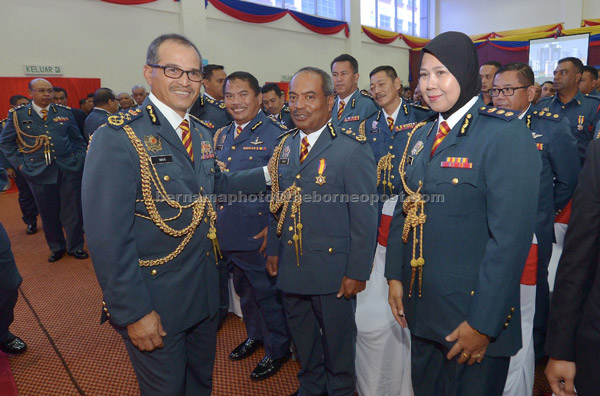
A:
[(7, 382)]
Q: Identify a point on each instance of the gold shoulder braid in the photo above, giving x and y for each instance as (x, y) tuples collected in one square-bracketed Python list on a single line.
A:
[(414, 208), (280, 201), (201, 207), (41, 140)]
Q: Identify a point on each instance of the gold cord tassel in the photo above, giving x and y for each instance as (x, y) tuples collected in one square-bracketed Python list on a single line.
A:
[(385, 167)]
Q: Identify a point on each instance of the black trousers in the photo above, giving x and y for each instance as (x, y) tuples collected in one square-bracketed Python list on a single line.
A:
[(323, 329), (8, 300), (60, 205), (26, 200), (183, 366), (434, 375), (542, 307)]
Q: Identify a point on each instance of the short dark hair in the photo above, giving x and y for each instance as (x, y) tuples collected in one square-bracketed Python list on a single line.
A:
[(243, 76), (152, 53), (272, 87), (90, 95), (407, 89), (326, 81), (592, 70), (82, 101), (102, 96), (524, 72), (59, 89), (494, 63), (15, 98), (209, 69), (345, 58), (547, 82), (389, 70), (575, 61)]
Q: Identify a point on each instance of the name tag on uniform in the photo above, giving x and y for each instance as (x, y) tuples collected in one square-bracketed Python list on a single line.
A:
[(284, 161), (219, 147), (27, 122), (161, 159)]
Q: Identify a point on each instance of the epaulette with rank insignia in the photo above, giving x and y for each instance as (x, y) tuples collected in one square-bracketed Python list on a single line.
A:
[(503, 114), (221, 105), (280, 125), (356, 136), (546, 115), (421, 107), (16, 108), (116, 121), (3, 122), (366, 94), (204, 123), (63, 106)]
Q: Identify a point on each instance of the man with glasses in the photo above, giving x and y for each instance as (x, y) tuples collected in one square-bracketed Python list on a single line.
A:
[(513, 89), (42, 141), (583, 112), (148, 188)]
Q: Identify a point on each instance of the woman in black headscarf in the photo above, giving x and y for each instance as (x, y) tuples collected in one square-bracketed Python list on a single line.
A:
[(458, 244)]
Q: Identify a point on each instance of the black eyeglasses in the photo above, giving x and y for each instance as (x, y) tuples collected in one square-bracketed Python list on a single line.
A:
[(175, 72), (508, 91)]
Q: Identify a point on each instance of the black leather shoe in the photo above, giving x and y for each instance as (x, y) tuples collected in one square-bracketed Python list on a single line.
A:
[(55, 256), (31, 229), (268, 367), (15, 346), (245, 349), (297, 393), (79, 254)]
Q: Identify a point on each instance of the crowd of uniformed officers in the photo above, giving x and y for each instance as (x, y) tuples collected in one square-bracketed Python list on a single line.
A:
[(155, 183)]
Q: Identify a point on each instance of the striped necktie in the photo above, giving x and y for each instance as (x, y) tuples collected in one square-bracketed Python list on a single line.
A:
[(238, 130), (44, 114), (186, 138), (390, 122), (304, 149), (442, 133), (341, 109)]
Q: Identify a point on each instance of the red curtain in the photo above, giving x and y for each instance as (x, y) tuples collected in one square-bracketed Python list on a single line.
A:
[(76, 88)]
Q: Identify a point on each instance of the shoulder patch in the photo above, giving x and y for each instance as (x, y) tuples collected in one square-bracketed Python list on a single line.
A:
[(546, 115), (116, 121), (505, 115)]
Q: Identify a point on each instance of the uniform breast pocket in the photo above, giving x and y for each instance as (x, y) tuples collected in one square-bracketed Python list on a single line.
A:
[(169, 173), (456, 192)]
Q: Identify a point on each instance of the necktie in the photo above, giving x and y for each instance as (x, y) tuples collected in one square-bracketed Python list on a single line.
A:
[(390, 122), (304, 149), (442, 133), (44, 114), (238, 130), (186, 138), (341, 109)]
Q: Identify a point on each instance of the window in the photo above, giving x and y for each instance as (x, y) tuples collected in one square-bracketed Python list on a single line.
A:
[(332, 9), (385, 22), (402, 16)]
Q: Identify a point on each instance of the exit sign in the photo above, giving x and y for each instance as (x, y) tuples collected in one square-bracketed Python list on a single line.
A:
[(43, 70)]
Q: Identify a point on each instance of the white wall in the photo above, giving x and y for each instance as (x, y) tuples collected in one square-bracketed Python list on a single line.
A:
[(90, 38), (478, 17)]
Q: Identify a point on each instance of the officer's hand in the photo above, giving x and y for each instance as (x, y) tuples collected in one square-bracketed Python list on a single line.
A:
[(561, 374), (10, 172), (222, 165), (351, 287), (262, 234), (470, 345), (272, 262), (146, 334), (395, 300)]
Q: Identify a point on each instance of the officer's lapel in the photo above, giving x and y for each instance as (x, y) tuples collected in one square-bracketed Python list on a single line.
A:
[(295, 151), (322, 143), (167, 132)]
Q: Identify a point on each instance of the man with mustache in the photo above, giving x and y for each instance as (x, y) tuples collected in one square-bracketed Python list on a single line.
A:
[(351, 107), (150, 220), (248, 142), (321, 249)]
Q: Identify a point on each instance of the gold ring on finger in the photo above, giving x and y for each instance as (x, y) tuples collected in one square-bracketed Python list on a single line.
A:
[(477, 356), (465, 355)]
